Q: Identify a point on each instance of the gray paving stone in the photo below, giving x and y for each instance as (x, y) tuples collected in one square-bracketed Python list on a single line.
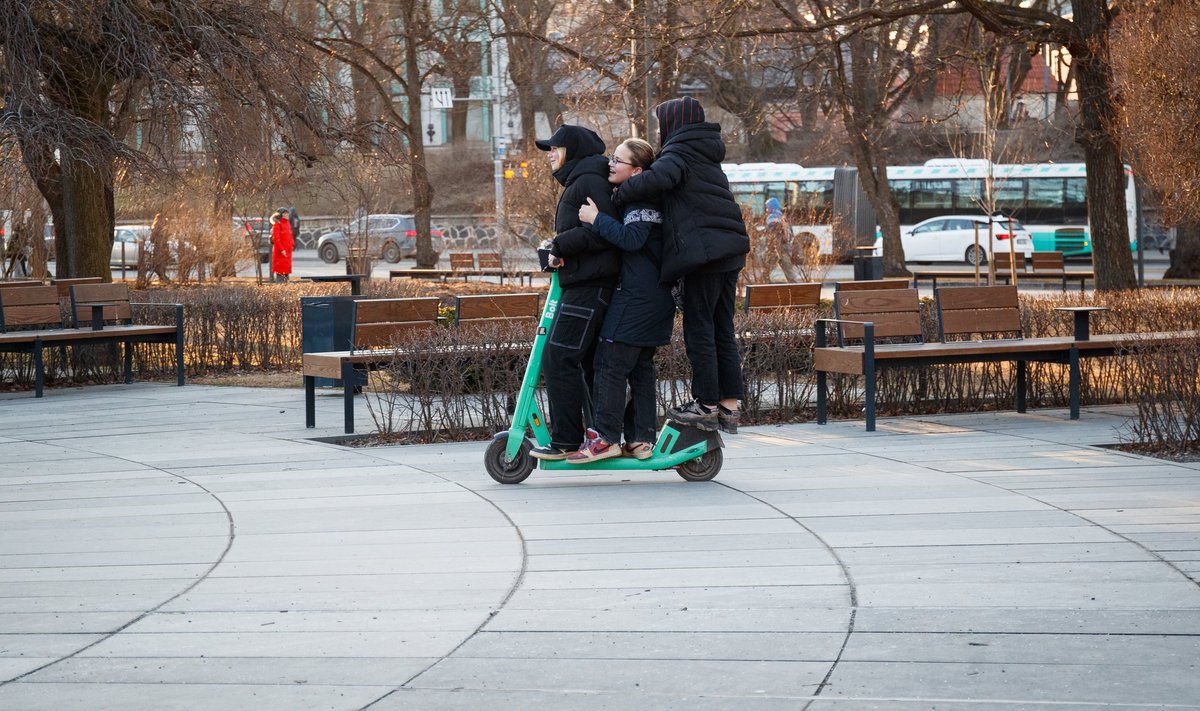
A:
[(742, 646), (1016, 683), (184, 697), (259, 671), (723, 677)]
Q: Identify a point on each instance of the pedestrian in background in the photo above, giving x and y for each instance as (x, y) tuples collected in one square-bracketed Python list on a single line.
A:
[(282, 245)]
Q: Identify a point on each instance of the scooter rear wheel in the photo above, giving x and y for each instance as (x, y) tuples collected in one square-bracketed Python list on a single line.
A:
[(702, 468), (506, 472)]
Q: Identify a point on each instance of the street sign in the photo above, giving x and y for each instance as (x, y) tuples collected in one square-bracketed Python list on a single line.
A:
[(441, 98)]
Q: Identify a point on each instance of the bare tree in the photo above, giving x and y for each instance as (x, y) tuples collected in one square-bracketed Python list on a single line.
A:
[(874, 69), (1085, 34), (1158, 113), (78, 76), (395, 44)]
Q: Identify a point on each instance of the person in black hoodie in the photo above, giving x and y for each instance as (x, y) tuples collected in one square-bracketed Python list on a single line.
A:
[(705, 247), (588, 267)]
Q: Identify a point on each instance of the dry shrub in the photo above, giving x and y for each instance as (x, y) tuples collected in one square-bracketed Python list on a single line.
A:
[(1164, 380)]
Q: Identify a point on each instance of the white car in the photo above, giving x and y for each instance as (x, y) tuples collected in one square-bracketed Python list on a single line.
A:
[(951, 238), (127, 244)]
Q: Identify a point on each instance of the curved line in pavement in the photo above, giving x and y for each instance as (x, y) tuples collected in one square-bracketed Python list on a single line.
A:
[(512, 590), (845, 573), (109, 635)]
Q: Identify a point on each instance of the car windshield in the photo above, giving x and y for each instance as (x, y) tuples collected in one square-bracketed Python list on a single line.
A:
[(1008, 224)]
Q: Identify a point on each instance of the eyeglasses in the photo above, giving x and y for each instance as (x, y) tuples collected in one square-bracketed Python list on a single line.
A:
[(614, 159)]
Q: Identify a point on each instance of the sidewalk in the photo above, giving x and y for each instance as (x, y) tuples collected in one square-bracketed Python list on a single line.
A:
[(192, 548)]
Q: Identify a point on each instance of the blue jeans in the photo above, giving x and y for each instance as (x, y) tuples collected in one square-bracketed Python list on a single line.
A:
[(616, 365)]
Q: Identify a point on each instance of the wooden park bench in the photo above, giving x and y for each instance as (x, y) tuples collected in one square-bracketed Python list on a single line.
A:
[(1047, 266), (377, 335), (948, 274), (492, 264), (862, 317), (963, 313), (31, 320)]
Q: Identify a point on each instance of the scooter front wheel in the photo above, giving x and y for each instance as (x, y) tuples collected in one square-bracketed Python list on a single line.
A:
[(508, 472), (702, 468)]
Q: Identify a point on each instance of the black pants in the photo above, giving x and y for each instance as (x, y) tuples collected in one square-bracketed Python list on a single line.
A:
[(567, 361), (709, 337), (616, 365)]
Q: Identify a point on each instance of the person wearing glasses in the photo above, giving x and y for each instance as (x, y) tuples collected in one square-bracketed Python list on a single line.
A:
[(588, 267), (639, 320), (705, 247)]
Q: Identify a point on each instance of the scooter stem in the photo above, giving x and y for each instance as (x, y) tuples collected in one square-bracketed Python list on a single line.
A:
[(526, 414)]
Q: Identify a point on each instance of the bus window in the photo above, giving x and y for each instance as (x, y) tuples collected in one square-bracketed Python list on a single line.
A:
[(1075, 202), (931, 198), (1044, 201), (812, 197), (1010, 196), (902, 191), (968, 195)]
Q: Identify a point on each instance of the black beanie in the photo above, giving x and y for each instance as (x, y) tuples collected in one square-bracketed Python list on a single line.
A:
[(676, 113)]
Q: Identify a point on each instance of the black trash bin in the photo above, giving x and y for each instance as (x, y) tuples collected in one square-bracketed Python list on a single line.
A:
[(867, 267), (325, 323)]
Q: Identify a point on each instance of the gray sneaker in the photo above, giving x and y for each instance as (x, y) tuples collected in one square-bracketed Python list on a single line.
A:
[(695, 415), (727, 420)]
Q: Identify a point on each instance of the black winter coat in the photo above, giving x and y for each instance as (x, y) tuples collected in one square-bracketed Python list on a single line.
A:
[(589, 259), (703, 227), (642, 311)]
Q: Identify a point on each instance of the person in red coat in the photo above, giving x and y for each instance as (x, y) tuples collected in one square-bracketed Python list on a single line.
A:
[(282, 245)]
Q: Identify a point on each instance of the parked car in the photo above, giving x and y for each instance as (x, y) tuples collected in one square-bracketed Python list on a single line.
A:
[(127, 244), (390, 237), (951, 238)]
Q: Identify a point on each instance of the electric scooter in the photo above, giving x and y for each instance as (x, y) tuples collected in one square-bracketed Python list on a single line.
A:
[(693, 453)]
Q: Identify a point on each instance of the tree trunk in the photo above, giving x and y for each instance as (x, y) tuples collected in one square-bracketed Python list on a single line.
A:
[(87, 221), (1113, 259), (422, 210), (458, 111), (1185, 258)]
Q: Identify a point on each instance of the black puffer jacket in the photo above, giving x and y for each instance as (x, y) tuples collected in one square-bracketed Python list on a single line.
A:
[(589, 259), (703, 226)]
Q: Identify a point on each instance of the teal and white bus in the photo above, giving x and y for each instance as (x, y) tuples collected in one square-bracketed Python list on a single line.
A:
[(1049, 199)]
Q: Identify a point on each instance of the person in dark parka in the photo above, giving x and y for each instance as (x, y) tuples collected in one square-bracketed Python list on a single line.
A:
[(705, 246), (588, 267)]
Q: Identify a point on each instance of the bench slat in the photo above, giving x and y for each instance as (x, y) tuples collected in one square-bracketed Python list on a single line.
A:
[(852, 304), (393, 310), (780, 296), (501, 306), (384, 334), (871, 285)]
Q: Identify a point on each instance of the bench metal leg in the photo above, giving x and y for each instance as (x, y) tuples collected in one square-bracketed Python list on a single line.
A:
[(1022, 368), (1074, 382), (348, 395), (822, 396), (128, 347), (869, 376), (310, 401), (179, 346), (39, 370)]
